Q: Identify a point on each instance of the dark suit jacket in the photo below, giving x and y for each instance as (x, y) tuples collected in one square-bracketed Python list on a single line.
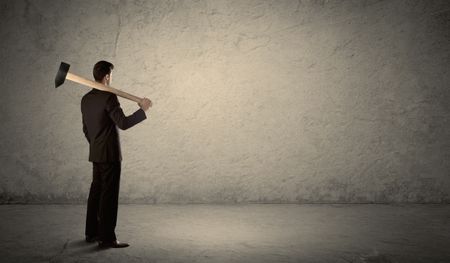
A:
[(101, 114)]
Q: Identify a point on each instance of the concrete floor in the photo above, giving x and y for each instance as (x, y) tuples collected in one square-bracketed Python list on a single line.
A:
[(232, 233)]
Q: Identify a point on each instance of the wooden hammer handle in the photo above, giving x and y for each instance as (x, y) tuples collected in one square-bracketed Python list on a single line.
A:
[(100, 86)]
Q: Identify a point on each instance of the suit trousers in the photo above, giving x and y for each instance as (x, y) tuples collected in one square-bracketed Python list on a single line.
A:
[(101, 216)]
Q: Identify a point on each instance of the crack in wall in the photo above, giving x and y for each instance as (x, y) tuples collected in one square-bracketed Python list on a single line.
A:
[(119, 26)]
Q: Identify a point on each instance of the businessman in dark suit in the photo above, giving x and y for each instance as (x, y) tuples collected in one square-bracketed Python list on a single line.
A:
[(102, 116)]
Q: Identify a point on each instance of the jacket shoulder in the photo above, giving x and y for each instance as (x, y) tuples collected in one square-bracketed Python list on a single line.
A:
[(97, 94)]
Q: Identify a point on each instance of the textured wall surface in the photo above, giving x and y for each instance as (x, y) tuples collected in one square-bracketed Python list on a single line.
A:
[(254, 101)]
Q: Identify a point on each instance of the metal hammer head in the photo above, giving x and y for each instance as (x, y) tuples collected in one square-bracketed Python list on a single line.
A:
[(62, 73)]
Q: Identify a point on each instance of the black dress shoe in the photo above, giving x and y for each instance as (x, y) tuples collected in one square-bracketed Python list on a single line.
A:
[(112, 244), (91, 239)]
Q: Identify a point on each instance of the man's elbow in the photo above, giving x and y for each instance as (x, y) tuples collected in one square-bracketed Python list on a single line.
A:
[(123, 125)]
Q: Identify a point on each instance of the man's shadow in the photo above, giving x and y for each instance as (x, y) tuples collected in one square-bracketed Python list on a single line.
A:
[(75, 249), (87, 247)]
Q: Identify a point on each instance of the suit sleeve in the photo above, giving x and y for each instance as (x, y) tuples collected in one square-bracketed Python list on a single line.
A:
[(116, 114), (86, 132)]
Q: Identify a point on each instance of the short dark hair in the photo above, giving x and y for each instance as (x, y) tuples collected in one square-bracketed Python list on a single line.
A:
[(101, 69)]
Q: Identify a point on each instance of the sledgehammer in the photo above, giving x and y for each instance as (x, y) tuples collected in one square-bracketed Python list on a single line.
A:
[(63, 74)]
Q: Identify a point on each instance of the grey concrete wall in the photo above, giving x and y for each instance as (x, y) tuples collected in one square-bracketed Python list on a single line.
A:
[(254, 101)]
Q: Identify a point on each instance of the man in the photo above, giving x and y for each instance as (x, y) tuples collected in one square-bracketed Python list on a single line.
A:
[(102, 114)]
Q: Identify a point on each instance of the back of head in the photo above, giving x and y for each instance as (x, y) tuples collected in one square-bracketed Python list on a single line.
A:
[(101, 69)]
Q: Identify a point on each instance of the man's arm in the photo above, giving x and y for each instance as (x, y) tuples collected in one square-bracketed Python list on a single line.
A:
[(86, 132), (115, 112)]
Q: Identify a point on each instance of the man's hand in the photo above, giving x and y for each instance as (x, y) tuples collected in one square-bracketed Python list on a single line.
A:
[(145, 104)]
